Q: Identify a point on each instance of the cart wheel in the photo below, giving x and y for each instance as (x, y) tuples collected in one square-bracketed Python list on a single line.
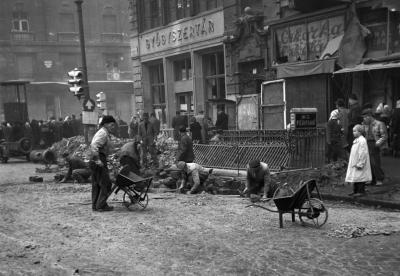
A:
[(313, 212), (129, 200), (143, 201)]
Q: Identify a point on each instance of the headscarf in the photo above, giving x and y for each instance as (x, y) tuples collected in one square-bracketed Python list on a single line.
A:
[(334, 114)]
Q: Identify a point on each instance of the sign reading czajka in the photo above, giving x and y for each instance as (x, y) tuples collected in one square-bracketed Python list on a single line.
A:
[(187, 32)]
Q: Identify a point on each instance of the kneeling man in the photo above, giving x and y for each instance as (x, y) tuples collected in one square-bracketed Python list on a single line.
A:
[(193, 175), (258, 178)]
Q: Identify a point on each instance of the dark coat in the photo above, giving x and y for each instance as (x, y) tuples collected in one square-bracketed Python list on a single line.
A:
[(177, 122), (222, 121), (147, 134), (185, 150), (195, 129)]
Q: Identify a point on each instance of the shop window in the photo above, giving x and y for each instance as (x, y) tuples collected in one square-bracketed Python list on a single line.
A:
[(183, 69), (20, 22), (214, 75), (157, 84), (67, 23)]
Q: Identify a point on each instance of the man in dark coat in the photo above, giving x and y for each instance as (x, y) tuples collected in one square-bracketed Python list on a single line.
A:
[(355, 117), (147, 134), (177, 122), (185, 148), (222, 120), (156, 123)]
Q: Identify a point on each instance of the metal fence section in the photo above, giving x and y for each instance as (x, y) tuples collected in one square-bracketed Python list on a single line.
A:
[(238, 156), (293, 149)]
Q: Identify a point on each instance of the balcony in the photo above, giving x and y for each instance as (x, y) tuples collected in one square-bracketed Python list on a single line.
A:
[(22, 36), (68, 37), (111, 37)]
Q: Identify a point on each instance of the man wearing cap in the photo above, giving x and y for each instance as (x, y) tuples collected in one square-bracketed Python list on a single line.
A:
[(376, 136), (185, 148), (147, 134), (100, 149), (258, 177), (193, 176), (129, 156)]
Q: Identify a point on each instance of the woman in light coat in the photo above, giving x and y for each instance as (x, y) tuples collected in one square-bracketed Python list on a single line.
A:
[(359, 168)]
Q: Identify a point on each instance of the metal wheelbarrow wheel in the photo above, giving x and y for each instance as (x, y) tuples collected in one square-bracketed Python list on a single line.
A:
[(130, 200), (313, 212)]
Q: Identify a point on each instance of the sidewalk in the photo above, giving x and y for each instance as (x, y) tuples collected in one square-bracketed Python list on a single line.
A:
[(387, 195)]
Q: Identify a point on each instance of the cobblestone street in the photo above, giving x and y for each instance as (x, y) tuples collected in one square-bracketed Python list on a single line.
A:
[(49, 229)]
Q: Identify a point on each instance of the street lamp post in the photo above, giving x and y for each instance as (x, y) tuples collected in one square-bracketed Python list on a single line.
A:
[(82, 45)]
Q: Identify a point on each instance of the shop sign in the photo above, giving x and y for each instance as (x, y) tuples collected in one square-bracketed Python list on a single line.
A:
[(306, 41), (191, 31), (303, 118)]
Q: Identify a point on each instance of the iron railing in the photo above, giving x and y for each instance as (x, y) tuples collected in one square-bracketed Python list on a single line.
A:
[(280, 149)]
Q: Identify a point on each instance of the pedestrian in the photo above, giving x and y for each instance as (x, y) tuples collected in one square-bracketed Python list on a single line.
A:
[(192, 177), (395, 125), (222, 120), (201, 119), (78, 170), (343, 118), (100, 148), (185, 148), (195, 129), (177, 122), (133, 127), (354, 117), (156, 123), (334, 137), (376, 136), (359, 168), (258, 179), (147, 134)]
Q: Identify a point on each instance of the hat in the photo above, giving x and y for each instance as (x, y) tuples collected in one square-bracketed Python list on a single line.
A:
[(367, 111), (181, 165), (107, 119), (353, 97), (254, 163), (334, 114)]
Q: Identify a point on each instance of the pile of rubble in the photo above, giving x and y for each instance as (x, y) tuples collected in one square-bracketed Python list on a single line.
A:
[(352, 231)]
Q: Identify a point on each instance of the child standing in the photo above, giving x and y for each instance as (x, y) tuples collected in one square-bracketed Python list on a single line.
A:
[(359, 168)]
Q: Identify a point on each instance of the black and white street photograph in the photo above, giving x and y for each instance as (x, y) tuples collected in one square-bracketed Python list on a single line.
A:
[(199, 137)]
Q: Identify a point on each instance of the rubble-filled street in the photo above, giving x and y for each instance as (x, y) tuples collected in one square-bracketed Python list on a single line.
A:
[(49, 229)]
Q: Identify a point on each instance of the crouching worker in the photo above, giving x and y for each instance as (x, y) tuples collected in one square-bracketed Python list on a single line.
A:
[(129, 156), (193, 177), (100, 148), (78, 170), (258, 179)]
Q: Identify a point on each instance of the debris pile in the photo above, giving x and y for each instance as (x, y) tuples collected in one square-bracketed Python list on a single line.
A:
[(352, 231), (167, 148), (333, 173)]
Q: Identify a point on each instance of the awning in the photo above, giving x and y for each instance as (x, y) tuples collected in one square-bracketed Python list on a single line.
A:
[(369, 67), (325, 66)]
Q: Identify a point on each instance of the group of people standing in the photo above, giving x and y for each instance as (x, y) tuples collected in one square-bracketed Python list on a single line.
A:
[(364, 134), (43, 133)]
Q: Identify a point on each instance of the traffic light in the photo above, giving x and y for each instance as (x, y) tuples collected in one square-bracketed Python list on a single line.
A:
[(101, 101), (76, 82)]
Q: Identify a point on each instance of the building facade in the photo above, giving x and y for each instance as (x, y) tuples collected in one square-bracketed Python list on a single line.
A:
[(257, 60), (39, 42)]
